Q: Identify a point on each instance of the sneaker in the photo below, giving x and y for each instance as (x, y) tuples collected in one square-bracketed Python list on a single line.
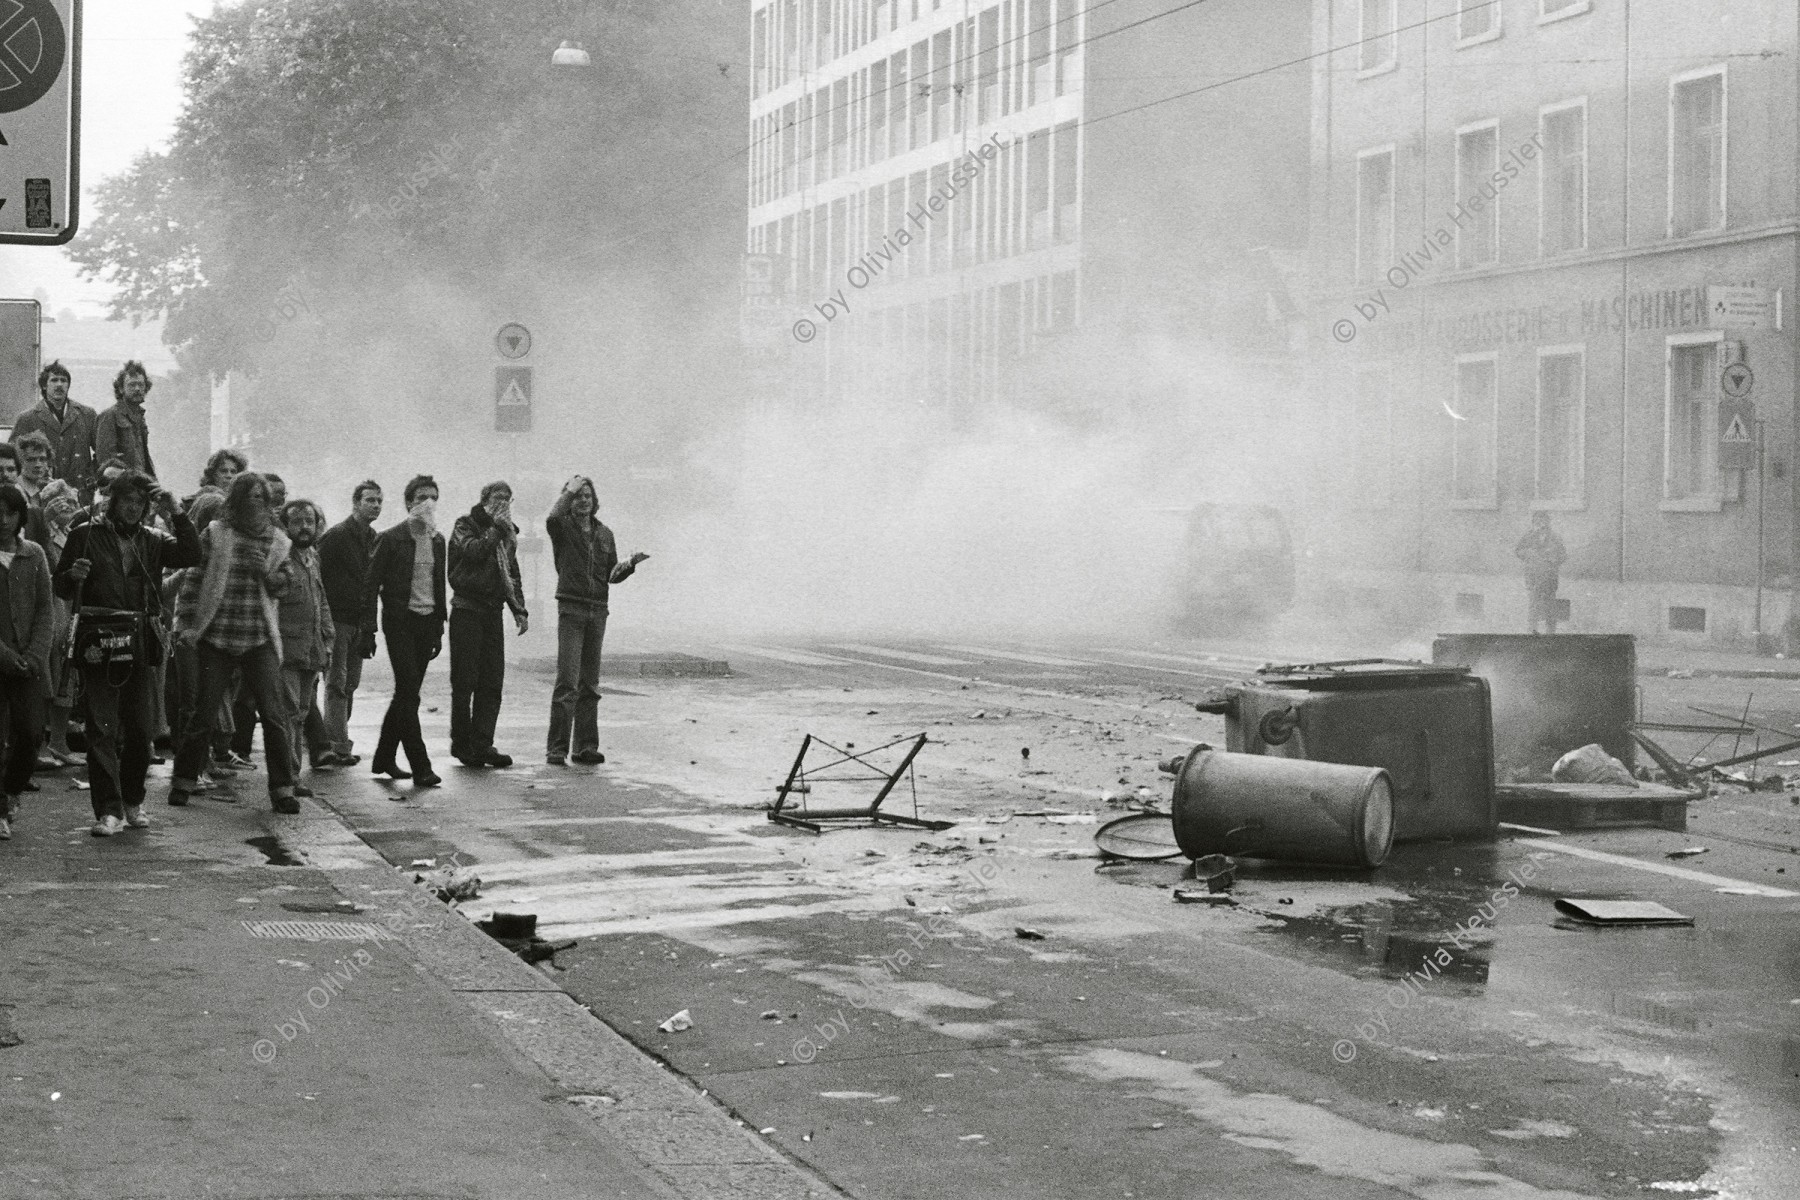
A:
[(5, 830), (589, 757), (135, 818), (106, 827), (46, 761), (556, 760), (205, 783), (238, 762)]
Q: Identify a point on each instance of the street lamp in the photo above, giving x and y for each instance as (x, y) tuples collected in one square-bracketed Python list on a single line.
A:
[(570, 54)]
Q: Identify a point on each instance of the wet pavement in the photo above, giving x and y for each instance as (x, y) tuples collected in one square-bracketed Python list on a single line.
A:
[(1434, 1028)]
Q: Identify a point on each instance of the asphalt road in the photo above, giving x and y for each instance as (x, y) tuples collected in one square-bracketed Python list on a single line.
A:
[(865, 997)]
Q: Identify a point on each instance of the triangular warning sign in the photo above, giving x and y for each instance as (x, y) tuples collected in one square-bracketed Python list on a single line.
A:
[(514, 394), (1736, 431)]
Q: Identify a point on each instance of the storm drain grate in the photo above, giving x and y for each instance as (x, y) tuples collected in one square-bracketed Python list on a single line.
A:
[(318, 931)]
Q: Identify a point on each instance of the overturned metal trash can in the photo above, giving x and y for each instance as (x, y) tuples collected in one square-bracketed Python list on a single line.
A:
[(1257, 806)]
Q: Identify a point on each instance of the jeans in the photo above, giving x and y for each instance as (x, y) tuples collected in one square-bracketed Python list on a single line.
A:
[(413, 640), (340, 688), (575, 704), (477, 678), (261, 672), (121, 715), (21, 717), (301, 686)]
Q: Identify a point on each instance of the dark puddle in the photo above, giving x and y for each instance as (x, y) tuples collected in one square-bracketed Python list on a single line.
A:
[(270, 847)]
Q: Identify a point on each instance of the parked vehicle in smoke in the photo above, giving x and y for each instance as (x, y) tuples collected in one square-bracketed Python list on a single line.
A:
[(1236, 568)]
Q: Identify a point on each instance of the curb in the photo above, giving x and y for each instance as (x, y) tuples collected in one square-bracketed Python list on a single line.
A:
[(687, 1144)]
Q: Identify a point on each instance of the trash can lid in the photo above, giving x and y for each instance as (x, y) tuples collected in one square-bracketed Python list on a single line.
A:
[(1145, 836)]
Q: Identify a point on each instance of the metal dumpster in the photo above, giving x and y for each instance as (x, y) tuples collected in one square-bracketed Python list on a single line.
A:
[(1428, 726), (1551, 694)]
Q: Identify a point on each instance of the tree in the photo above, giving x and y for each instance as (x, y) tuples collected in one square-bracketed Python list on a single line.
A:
[(355, 187)]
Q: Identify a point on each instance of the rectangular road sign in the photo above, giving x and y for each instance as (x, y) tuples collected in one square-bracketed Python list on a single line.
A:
[(512, 399), (1731, 307), (1737, 435), (40, 121)]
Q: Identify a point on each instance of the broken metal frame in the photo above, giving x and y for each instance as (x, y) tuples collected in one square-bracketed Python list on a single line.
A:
[(799, 781)]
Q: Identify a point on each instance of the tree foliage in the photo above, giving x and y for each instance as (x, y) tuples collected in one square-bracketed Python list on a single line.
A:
[(350, 177)]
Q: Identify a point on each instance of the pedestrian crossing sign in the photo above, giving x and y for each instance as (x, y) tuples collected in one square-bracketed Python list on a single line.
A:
[(1736, 431), (512, 399), (1737, 435)]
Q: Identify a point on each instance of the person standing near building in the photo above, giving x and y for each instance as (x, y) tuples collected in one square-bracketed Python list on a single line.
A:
[(484, 575), (68, 425), (406, 581), (344, 553), (587, 563), (121, 433), (228, 612), (1543, 555), (306, 626), (26, 619), (115, 563)]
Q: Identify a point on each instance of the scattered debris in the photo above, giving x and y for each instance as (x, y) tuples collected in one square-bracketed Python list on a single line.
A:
[(309, 906), (1591, 764), (772, 1015), (1218, 872), (1029, 935), (1025, 752), (1620, 912), (1196, 896), (452, 884), (681, 1021), (1689, 852), (518, 933)]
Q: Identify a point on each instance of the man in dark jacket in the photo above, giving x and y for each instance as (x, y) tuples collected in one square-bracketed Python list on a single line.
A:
[(1543, 555), (117, 563), (344, 552), (406, 582), (68, 425), (484, 575), (587, 561), (120, 433)]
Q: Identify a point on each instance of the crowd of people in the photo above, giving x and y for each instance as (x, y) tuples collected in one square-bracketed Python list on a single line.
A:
[(158, 627)]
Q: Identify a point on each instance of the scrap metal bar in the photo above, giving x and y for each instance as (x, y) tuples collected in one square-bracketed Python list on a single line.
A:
[(1751, 757), (1678, 727), (1677, 773)]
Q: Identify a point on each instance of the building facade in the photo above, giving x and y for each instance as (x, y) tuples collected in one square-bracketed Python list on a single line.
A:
[(953, 202), (1553, 265)]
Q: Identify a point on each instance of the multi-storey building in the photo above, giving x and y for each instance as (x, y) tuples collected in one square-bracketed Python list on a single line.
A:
[(945, 194), (1543, 230)]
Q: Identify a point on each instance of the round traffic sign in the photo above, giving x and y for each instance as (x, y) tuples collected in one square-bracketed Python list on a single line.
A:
[(1737, 380), (513, 340), (32, 46)]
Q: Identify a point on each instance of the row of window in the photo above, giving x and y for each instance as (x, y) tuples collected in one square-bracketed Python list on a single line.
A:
[(789, 38), (1025, 198), (999, 62), (1696, 183), (1477, 21), (1692, 478), (952, 351)]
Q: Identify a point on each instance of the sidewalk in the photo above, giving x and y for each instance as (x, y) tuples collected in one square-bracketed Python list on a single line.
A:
[(154, 1044)]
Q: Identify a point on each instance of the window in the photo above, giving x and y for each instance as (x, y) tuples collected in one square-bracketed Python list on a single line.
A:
[(1697, 153), (1472, 464), (1477, 21), (1563, 185), (1561, 433), (1691, 423), (1477, 195), (1375, 37), (1374, 213), (1687, 620), (1371, 438), (1556, 10)]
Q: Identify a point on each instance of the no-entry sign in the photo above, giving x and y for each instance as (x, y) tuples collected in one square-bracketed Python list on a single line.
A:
[(40, 121)]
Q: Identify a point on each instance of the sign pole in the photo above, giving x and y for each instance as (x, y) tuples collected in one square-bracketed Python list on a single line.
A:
[(1762, 556)]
